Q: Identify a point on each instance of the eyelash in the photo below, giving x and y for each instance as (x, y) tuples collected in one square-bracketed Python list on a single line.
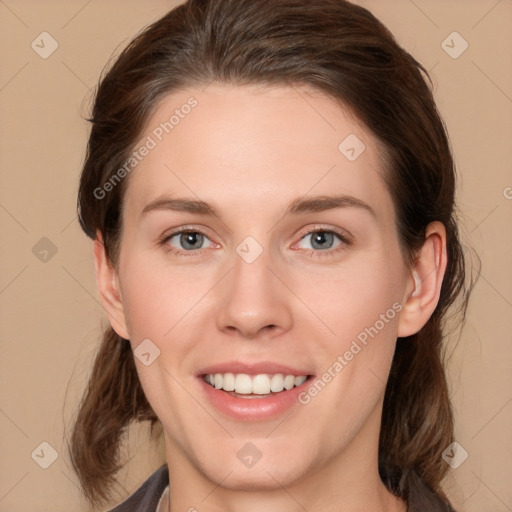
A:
[(345, 241)]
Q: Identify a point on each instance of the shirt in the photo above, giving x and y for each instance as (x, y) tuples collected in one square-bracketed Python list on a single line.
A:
[(153, 496), (163, 504)]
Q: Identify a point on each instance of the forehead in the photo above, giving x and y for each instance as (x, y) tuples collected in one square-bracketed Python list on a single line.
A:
[(256, 146)]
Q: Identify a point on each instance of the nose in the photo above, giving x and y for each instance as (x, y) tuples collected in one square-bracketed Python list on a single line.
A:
[(254, 301)]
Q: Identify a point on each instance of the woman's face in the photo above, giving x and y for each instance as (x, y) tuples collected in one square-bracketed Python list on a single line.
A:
[(291, 265)]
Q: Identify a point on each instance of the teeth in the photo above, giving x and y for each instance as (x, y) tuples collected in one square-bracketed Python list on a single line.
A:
[(277, 383), (243, 383), (261, 384), (300, 380), (289, 382), (228, 382)]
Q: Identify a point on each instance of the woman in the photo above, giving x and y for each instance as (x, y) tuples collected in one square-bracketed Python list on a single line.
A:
[(270, 191)]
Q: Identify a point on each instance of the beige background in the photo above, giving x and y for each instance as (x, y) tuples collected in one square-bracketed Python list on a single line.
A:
[(50, 314)]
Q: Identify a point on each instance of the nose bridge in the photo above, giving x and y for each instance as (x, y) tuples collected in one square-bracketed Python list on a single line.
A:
[(254, 299)]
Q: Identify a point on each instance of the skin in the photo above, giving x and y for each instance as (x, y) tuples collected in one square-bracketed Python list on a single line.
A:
[(250, 151)]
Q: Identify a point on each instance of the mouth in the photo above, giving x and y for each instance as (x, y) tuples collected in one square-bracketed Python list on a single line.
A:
[(253, 392), (262, 385)]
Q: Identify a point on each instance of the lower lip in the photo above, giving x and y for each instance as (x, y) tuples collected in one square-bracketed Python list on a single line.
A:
[(253, 409)]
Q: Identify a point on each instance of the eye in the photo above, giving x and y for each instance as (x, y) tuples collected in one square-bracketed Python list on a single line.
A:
[(324, 240), (185, 240)]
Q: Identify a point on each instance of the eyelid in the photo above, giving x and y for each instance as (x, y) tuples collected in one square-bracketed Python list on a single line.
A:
[(343, 234)]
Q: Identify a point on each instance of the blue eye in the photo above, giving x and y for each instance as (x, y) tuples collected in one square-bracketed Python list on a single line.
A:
[(187, 240), (323, 242), (322, 239)]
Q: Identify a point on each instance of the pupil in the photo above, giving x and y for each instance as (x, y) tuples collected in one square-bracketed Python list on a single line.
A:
[(191, 239), (321, 237)]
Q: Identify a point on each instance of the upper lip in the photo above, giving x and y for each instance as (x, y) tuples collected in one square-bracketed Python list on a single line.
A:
[(253, 368)]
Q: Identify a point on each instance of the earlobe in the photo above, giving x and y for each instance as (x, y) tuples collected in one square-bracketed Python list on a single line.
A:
[(106, 279), (424, 285)]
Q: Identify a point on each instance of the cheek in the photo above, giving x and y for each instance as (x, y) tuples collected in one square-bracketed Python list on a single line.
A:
[(341, 301), (360, 308), (353, 300), (157, 298)]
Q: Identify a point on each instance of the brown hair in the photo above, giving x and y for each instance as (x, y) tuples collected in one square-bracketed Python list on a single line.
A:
[(339, 49)]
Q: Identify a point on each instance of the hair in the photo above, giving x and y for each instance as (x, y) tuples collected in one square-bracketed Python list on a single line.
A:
[(339, 49)]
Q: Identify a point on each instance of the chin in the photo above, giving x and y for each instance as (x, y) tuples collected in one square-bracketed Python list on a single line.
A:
[(254, 479), (267, 470)]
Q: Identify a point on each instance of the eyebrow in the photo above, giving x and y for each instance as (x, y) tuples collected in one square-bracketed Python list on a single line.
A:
[(297, 206)]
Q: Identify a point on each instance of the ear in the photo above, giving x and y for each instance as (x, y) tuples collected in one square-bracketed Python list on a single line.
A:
[(424, 284), (106, 279)]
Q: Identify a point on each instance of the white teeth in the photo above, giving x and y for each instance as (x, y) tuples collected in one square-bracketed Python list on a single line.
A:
[(261, 384), (228, 382), (277, 382), (300, 380), (289, 382), (243, 383)]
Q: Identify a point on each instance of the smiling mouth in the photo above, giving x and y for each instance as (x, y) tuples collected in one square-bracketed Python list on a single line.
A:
[(264, 385)]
